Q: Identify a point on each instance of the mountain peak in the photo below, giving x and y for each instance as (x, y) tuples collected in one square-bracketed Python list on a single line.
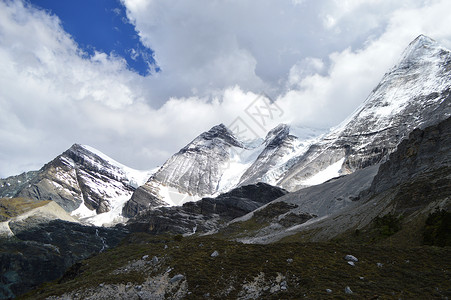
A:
[(221, 128), (279, 128), (418, 50), (420, 45), (220, 132), (422, 40), (276, 135), (81, 152), (75, 147), (79, 148)]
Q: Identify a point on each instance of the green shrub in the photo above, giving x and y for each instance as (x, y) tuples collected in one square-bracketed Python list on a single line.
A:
[(388, 225), (178, 237), (437, 231)]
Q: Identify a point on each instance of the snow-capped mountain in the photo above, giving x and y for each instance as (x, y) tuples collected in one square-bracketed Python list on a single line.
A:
[(198, 167), (394, 149), (85, 182), (415, 93), (211, 163), (216, 162), (280, 147)]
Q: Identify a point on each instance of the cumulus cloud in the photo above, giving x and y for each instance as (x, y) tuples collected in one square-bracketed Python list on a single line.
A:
[(317, 60), (288, 50), (53, 95), (203, 46), (325, 100), (47, 82)]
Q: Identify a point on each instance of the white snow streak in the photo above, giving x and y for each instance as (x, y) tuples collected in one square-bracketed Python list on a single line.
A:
[(322, 176)]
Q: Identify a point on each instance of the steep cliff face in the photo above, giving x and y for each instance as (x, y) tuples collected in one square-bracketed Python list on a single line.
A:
[(39, 240), (43, 250), (415, 93), (421, 165)]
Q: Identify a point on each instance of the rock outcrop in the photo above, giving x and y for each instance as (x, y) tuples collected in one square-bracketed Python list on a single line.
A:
[(207, 214)]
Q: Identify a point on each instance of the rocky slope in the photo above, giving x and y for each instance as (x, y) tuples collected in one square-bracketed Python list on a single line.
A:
[(83, 181), (275, 158), (39, 240), (207, 214), (415, 93), (10, 186), (13, 207), (14, 210), (197, 168), (149, 267), (414, 182)]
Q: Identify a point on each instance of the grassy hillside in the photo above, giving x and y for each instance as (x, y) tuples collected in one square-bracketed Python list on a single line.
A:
[(284, 270), (12, 207)]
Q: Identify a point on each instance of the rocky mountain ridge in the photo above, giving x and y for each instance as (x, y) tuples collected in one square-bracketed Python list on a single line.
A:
[(81, 180), (213, 163), (207, 214), (413, 94), (416, 93)]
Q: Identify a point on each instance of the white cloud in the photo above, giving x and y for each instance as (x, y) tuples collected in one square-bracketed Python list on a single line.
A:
[(306, 67), (210, 45), (325, 100), (53, 96), (216, 58)]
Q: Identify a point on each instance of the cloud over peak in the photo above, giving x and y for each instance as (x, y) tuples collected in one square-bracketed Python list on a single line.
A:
[(317, 60)]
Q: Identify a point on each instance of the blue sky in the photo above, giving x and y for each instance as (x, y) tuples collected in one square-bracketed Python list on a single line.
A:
[(102, 25), (68, 73)]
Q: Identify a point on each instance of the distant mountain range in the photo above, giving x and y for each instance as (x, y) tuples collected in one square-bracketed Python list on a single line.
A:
[(85, 182)]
